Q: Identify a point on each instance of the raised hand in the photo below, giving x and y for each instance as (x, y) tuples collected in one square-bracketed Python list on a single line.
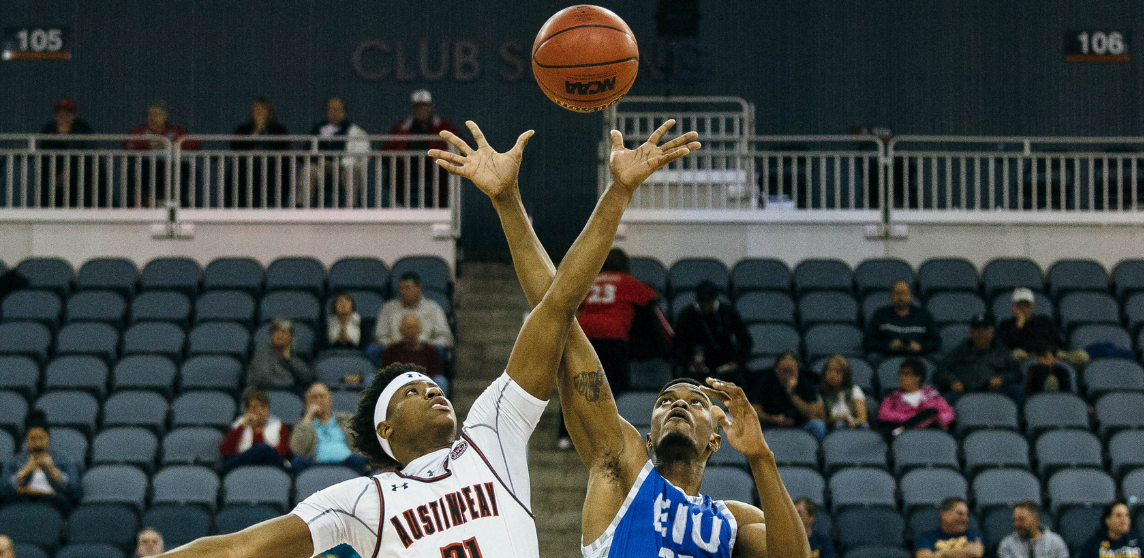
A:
[(630, 167), (742, 429), (494, 173)]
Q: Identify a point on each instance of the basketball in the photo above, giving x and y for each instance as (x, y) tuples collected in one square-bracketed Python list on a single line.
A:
[(585, 58)]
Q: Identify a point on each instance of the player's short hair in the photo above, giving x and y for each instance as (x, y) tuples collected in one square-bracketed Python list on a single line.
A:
[(1029, 506), (36, 419), (252, 394), (951, 502), (677, 381), (362, 426), (811, 507), (410, 276), (914, 367)]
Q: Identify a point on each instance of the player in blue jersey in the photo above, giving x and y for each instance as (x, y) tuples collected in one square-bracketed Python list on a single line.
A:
[(636, 507)]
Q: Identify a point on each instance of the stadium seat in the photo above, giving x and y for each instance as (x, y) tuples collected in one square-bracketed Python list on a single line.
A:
[(1086, 335), (318, 478), (211, 372), (728, 483), (76, 409), (70, 443), (1080, 487), (686, 274), (1046, 411), (33, 305), (888, 373), (824, 340), (145, 409), (928, 487), (176, 274), (7, 446), (53, 274), (774, 339), (1002, 275), (38, 524), (1111, 374), (1129, 277), (90, 551), (730, 457), (25, 337), (822, 274), (20, 374), (103, 523), (113, 274), (802, 482), (434, 273), (185, 484), (296, 274), (192, 445), (299, 306), (244, 274), (792, 447), (853, 448), (650, 374), (178, 524), (954, 307), (88, 338), (96, 306), (882, 527), (25, 550), (994, 448), (953, 335), (1059, 449), (1076, 275), (347, 401), (149, 372), (1126, 452), (82, 372), (13, 412), (233, 519), (879, 274), (154, 338), (330, 370), (946, 274), (1118, 411), (649, 271), (304, 341), (1003, 306), (1080, 308), (1005, 487), (997, 523), (115, 484), (873, 301), (636, 406), (125, 445), (286, 405), (755, 274), (766, 306), (862, 487), (878, 552), (219, 338), (827, 307), (985, 410), (1132, 486), (203, 408), (359, 274), (924, 448), (161, 306), (1075, 526), (257, 485), (1134, 312)]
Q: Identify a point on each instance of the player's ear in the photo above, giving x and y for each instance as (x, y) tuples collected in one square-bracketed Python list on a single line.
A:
[(647, 442), (384, 430), (715, 443)]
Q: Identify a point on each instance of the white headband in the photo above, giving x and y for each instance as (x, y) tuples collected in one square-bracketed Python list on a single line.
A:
[(387, 394)]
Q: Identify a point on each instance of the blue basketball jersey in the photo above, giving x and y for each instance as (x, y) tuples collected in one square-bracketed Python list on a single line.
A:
[(658, 520)]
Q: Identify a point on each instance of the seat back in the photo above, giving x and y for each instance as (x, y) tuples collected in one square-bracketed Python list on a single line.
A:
[(880, 273), (257, 484), (947, 274), (96, 306), (1002, 275), (755, 274), (822, 274), (177, 274)]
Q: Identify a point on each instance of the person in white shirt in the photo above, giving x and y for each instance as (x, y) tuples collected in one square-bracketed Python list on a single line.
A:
[(323, 179), (434, 325), (343, 326), (1029, 538), (844, 402)]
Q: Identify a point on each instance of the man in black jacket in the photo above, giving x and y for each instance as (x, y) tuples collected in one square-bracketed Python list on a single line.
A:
[(901, 328), (711, 338), (981, 363)]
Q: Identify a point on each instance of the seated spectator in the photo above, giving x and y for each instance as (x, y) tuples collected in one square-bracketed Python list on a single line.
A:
[(1045, 375), (843, 402), (150, 168), (820, 545), (148, 542), (67, 169), (274, 364), (954, 539), (421, 121), (329, 177), (7, 547), (913, 405), (260, 126), (786, 396), (980, 363), (257, 437), (1026, 331), (411, 350), (1029, 538), (323, 436), (434, 325), (1114, 537), (711, 339), (900, 328), (37, 474), (343, 327)]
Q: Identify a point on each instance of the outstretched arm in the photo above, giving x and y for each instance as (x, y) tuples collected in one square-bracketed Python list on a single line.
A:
[(283, 537)]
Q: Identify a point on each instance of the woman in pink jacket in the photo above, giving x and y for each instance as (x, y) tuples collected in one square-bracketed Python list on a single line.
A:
[(914, 405)]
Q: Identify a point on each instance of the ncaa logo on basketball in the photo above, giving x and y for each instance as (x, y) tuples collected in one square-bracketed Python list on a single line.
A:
[(460, 449), (589, 88)]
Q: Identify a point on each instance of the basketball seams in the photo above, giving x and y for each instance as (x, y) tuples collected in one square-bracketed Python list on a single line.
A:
[(546, 66), (537, 46)]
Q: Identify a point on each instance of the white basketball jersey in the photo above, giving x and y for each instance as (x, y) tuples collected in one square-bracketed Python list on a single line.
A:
[(470, 500)]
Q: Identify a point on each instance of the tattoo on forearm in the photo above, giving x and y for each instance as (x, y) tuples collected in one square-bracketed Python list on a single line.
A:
[(588, 384)]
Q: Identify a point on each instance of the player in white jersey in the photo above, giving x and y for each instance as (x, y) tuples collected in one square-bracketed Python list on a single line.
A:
[(636, 508), (448, 497)]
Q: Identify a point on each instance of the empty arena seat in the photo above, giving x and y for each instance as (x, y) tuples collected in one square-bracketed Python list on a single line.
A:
[(1086, 335), (985, 410), (330, 370), (161, 306), (150, 372), (1046, 411), (38, 524), (82, 372), (303, 338), (879, 274), (1110, 374), (827, 307), (1132, 486), (636, 406), (88, 338), (687, 273), (296, 274), (203, 408), (853, 448), (1119, 410), (244, 274), (1005, 487), (145, 409), (859, 527), (924, 448), (233, 519), (53, 274), (36, 305), (774, 339), (954, 307), (766, 306), (1002, 275), (1076, 275), (793, 447), (7, 445), (1080, 308), (833, 339), (96, 306), (20, 374), (1003, 306), (860, 371), (176, 274), (211, 372), (1059, 449), (1075, 526), (114, 274), (178, 524), (946, 274), (822, 274), (192, 445), (299, 306), (1128, 276), (803, 482), (318, 478), (1126, 452), (90, 551), (219, 338), (953, 335), (928, 487), (758, 274), (1080, 487), (25, 550), (995, 448), (649, 271), (154, 338), (649, 374), (76, 409), (125, 445), (1134, 312), (286, 405), (13, 412), (257, 485), (346, 401), (115, 484), (185, 485), (728, 483), (70, 443), (352, 274), (858, 486), (103, 524), (875, 300)]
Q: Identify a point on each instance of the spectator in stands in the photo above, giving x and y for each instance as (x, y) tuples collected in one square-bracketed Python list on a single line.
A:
[(37, 474), (711, 339), (1029, 538), (900, 328), (257, 437), (1045, 375), (323, 436), (155, 128), (954, 539), (410, 349), (260, 126), (148, 542), (820, 545), (914, 405), (274, 364), (329, 176), (421, 121), (786, 396), (434, 325), (67, 169), (7, 547), (980, 363), (1025, 332), (843, 402), (1114, 537), (343, 327)]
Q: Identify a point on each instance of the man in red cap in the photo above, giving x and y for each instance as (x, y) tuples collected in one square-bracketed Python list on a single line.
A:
[(67, 169), (421, 121)]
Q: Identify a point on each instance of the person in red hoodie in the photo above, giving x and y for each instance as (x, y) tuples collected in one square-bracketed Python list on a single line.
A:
[(421, 121), (914, 405), (257, 437), (138, 187)]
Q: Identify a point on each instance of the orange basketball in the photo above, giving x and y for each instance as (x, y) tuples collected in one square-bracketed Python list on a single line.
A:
[(585, 58)]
